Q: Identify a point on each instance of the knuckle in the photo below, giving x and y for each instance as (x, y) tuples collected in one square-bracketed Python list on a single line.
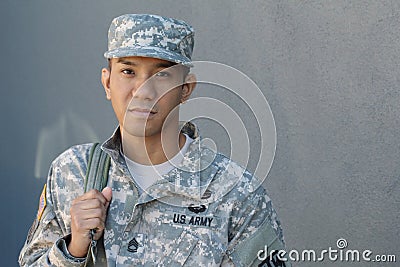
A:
[(74, 202), (73, 210), (98, 203), (92, 193)]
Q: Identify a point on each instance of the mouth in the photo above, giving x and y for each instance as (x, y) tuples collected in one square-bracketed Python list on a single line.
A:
[(142, 112)]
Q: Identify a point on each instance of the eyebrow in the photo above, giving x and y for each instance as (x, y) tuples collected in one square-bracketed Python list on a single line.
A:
[(165, 64)]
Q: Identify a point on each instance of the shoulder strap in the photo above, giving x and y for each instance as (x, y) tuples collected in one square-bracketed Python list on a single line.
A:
[(96, 178), (97, 171)]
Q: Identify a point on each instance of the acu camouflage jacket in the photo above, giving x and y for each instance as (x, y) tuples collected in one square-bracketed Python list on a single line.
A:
[(208, 211)]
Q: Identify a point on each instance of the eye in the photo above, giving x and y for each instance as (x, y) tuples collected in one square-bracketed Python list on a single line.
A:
[(163, 74), (128, 72)]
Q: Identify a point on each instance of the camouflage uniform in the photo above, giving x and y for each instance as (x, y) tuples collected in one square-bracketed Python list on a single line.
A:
[(205, 212)]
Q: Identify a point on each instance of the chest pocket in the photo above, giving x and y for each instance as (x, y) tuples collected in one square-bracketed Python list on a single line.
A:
[(184, 237), (181, 250), (188, 237)]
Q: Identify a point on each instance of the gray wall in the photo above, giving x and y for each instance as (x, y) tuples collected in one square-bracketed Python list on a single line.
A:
[(329, 69)]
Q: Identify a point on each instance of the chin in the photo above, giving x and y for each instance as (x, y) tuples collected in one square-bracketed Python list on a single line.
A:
[(140, 130)]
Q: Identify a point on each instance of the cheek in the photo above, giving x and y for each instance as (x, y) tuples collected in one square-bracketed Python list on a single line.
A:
[(170, 100), (120, 91), (120, 99)]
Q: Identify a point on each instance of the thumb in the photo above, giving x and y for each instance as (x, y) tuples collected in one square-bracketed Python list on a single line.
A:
[(107, 193)]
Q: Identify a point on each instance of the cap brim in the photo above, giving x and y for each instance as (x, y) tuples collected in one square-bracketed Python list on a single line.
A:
[(153, 52)]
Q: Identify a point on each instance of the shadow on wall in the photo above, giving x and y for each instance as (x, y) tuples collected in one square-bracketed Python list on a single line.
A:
[(69, 129)]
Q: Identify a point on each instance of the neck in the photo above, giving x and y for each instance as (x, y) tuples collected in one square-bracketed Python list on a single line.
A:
[(155, 149)]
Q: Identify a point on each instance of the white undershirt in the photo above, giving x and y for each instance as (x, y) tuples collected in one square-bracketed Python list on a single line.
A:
[(146, 175)]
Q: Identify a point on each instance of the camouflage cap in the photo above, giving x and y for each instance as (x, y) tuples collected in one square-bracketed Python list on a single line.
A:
[(150, 36)]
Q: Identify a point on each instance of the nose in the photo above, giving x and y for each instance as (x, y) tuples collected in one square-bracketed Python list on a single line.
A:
[(144, 89)]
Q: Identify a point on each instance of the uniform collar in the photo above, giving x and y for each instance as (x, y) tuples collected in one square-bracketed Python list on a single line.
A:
[(190, 178)]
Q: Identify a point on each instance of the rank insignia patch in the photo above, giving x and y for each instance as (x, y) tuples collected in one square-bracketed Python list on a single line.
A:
[(42, 203)]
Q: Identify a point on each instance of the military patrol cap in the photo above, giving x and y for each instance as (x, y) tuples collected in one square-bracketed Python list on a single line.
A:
[(150, 36)]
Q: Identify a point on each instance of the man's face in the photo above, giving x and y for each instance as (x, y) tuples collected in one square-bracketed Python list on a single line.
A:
[(143, 92)]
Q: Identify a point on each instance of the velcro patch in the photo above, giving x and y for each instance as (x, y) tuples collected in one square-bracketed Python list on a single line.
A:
[(42, 204)]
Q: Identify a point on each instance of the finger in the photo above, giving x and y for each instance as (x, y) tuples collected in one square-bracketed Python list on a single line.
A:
[(88, 204), (89, 214), (93, 194), (92, 223)]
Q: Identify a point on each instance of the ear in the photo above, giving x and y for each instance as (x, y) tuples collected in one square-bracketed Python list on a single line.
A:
[(105, 80), (188, 86)]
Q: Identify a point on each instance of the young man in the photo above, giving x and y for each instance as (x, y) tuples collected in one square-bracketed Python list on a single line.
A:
[(168, 201)]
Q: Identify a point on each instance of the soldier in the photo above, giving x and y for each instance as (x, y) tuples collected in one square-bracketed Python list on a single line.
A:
[(169, 201)]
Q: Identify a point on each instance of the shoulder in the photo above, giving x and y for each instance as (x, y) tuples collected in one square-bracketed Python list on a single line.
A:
[(234, 181), (71, 165), (68, 171), (77, 154)]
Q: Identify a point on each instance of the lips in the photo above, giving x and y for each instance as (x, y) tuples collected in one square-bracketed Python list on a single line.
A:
[(142, 112)]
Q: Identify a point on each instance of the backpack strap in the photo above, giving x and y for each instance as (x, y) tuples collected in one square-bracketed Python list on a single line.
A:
[(97, 171), (96, 178)]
